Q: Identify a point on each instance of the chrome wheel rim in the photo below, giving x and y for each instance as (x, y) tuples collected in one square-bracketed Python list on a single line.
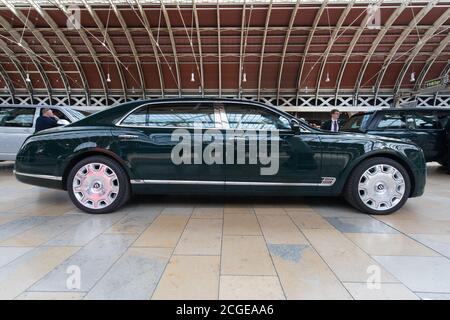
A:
[(381, 187), (95, 186)]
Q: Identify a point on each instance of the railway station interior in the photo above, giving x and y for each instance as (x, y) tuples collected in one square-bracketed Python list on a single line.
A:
[(381, 65)]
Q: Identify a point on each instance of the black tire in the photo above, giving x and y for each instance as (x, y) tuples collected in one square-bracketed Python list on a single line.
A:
[(120, 198), (351, 191)]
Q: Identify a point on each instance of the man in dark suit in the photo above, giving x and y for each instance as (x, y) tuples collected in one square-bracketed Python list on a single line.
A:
[(334, 124), (47, 120)]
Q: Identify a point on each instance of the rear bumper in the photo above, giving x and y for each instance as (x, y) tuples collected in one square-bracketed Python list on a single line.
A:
[(39, 180)]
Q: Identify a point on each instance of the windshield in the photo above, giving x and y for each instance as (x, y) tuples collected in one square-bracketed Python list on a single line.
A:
[(76, 114), (357, 122)]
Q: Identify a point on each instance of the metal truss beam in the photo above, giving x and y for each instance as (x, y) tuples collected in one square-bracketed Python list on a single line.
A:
[(308, 45), (89, 46), (285, 45), (110, 44), (427, 36), (393, 52), (44, 43), (241, 49), (219, 48), (174, 48), (132, 47), (333, 38), (155, 45), (375, 44), (10, 54), (263, 48), (65, 42), (202, 77)]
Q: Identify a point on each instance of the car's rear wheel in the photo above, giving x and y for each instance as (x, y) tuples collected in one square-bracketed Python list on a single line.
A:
[(98, 185), (378, 186)]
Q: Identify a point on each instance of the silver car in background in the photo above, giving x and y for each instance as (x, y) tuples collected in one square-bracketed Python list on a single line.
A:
[(17, 122)]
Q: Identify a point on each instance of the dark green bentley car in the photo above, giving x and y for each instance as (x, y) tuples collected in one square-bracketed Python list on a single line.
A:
[(217, 146)]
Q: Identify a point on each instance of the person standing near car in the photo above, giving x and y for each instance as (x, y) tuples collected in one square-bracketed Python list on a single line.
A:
[(334, 123), (46, 121)]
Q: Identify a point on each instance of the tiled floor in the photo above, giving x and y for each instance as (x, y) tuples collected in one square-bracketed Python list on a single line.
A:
[(222, 248)]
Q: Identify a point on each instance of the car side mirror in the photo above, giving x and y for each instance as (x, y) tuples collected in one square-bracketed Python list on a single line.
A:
[(63, 122), (295, 126)]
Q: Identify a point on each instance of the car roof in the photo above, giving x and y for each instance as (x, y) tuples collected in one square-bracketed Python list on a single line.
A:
[(403, 109)]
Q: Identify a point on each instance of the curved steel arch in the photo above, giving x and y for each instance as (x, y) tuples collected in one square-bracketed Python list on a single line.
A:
[(375, 44), (202, 78), (16, 36), (263, 48), (101, 27), (155, 45), (132, 46), (352, 45), (428, 35), (8, 82), (219, 48), (285, 45), (308, 45), (241, 52), (91, 50), (330, 44), (66, 44), (399, 43), (18, 66), (44, 43), (174, 48), (444, 43)]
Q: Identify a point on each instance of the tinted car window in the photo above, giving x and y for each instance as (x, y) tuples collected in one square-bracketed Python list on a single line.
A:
[(179, 116), (357, 122), (249, 117), (426, 121), (17, 117), (392, 121)]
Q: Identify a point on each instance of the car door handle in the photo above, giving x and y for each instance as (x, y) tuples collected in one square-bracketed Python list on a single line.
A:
[(128, 136)]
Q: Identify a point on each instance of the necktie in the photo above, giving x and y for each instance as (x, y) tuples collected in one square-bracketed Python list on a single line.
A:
[(334, 129)]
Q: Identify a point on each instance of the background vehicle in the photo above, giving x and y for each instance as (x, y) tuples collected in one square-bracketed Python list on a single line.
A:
[(423, 126), (17, 122), (102, 159)]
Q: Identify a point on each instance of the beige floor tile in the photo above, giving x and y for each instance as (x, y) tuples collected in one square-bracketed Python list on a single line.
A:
[(201, 237), (250, 288), (230, 209), (178, 210), (389, 245), (163, 232), (24, 275), (8, 218), (280, 229), (422, 225), (189, 277), (347, 261), (387, 291), (270, 211), (304, 275), (245, 255), (39, 295), (208, 212), (43, 209), (241, 224), (309, 220)]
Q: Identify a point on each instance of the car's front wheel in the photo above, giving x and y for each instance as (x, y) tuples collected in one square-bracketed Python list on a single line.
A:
[(378, 186), (98, 185)]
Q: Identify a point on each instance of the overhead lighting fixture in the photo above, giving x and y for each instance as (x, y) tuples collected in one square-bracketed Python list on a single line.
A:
[(28, 78), (244, 77), (306, 89), (328, 78), (192, 77), (108, 78), (413, 77)]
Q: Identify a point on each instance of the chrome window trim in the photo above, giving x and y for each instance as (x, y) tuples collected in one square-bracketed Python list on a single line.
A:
[(326, 182), (38, 176), (212, 101)]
